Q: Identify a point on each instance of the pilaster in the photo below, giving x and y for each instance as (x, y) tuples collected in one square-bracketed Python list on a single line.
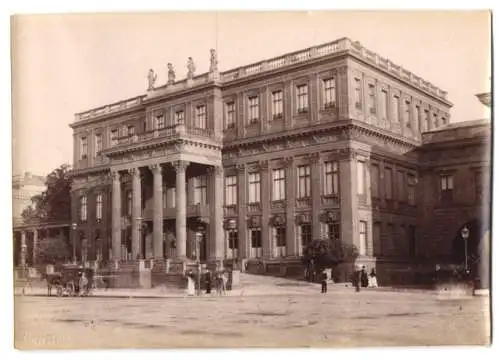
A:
[(136, 212), (157, 210), (343, 93), (116, 230), (292, 247), (314, 98), (217, 243), (316, 177), (348, 198), (242, 211), (180, 202), (288, 105), (265, 198)]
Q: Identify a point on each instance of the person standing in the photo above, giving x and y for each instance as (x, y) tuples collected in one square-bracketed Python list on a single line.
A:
[(208, 282), (364, 277), (324, 279), (356, 278), (373, 279), (190, 284)]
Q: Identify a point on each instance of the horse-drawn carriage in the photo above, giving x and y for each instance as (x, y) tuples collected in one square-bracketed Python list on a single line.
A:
[(72, 280)]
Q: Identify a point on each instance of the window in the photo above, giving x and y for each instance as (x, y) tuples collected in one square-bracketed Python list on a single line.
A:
[(277, 104), (304, 181), (375, 176), (83, 147), (361, 178), (131, 131), (159, 122), (83, 208), (401, 186), (230, 190), (98, 210), (114, 137), (254, 188), (371, 99), (412, 182), (333, 230), (331, 178), (98, 144), (201, 117), (383, 102), (388, 183), (165, 197), (128, 205), (230, 115), (444, 121), (428, 124), (395, 108), (329, 93), (357, 94), (253, 109), (305, 234), (255, 238), (406, 114), (232, 237), (436, 121), (171, 197), (302, 99), (416, 116), (446, 187), (363, 239), (279, 184), (200, 190), (179, 117), (279, 235)]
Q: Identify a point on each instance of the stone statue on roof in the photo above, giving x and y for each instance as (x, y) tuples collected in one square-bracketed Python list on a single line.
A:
[(213, 61), (151, 79), (171, 73), (191, 68)]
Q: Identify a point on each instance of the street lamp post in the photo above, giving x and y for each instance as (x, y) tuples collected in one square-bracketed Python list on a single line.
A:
[(232, 227), (465, 235), (73, 235), (139, 227), (199, 236)]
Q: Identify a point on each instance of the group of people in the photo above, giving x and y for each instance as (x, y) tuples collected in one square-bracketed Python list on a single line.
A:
[(360, 279), (218, 278)]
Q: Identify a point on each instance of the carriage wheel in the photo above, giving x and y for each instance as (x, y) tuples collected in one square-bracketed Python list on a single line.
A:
[(59, 291)]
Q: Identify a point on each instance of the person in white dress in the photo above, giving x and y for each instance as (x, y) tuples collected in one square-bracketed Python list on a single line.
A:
[(372, 279), (190, 284)]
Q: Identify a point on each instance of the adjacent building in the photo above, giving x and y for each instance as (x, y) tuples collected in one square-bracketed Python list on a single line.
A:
[(255, 162), (24, 187)]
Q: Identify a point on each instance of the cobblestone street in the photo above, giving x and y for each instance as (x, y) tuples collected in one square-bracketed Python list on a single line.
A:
[(341, 318)]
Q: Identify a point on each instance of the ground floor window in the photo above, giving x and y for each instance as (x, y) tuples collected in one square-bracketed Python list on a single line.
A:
[(278, 236), (232, 243), (255, 236), (305, 234), (333, 231)]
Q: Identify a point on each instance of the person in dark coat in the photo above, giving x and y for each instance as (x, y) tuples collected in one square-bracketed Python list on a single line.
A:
[(324, 279), (364, 277), (356, 279), (208, 282)]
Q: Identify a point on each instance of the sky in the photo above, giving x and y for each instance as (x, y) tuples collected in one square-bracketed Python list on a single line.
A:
[(64, 64)]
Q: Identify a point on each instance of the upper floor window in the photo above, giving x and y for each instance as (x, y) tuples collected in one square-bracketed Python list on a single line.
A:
[(230, 115), (279, 184), (333, 230), (159, 121), (428, 124), (371, 98), (361, 178), (303, 181), (98, 144), (395, 108), (131, 131), (200, 190), (363, 238), (383, 104), (406, 114), (305, 233), (388, 183), (98, 210), (279, 235), (446, 187), (357, 94), (329, 93), (436, 121), (128, 203), (416, 116), (201, 117), (83, 147), (83, 208), (114, 137), (253, 109), (277, 104), (302, 99), (179, 117), (331, 178), (374, 177), (254, 187), (231, 190)]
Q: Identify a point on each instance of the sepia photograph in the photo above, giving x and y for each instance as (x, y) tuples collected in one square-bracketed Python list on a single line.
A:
[(243, 179)]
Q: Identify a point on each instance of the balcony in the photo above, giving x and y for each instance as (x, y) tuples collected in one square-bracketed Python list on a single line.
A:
[(192, 210), (331, 200), (303, 202), (230, 210), (253, 208)]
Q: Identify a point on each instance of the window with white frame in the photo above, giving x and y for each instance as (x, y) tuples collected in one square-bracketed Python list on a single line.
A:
[(83, 147), (333, 230), (384, 104), (446, 187), (83, 208), (388, 183), (179, 117), (357, 94), (303, 181), (200, 190), (253, 109), (363, 238), (277, 104), (232, 239), (159, 121), (371, 98), (201, 117), (279, 192), (254, 187), (98, 144), (361, 177), (171, 197), (305, 231), (329, 93), (98, 204), (395, 108), (331, 186), (231, 190), (255, 242), (374, 177), (230, 115), (128, 205), (278, 235), (114, 137), (302, 99)]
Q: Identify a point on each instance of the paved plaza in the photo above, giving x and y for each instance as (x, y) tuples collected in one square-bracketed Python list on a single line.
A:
[(293, 318)]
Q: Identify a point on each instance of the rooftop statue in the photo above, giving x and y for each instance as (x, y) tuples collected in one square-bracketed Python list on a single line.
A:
[(191, 68), (213, 61), (171, 74), (151, 79)]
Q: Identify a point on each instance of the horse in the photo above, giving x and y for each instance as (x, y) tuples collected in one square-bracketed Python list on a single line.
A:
[(54, 279)]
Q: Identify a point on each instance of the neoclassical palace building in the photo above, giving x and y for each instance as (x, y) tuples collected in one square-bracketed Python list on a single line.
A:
[(257, 161)]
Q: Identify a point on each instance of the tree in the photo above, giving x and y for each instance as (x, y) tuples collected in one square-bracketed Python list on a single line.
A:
[(54, 204), (52, 250), (329, 253)]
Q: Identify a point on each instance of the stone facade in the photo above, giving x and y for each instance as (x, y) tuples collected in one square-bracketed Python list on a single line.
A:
[(256, 161)]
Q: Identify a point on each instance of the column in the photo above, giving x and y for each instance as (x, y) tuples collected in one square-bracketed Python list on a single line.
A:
[(180, 202), (348, 199), (136, 212), (242, 212), (266, 198), (292, 248), (35, 245), (316, 187), (314, 100), (116, 228), (22, 259), (157, 210), (216, 239)]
